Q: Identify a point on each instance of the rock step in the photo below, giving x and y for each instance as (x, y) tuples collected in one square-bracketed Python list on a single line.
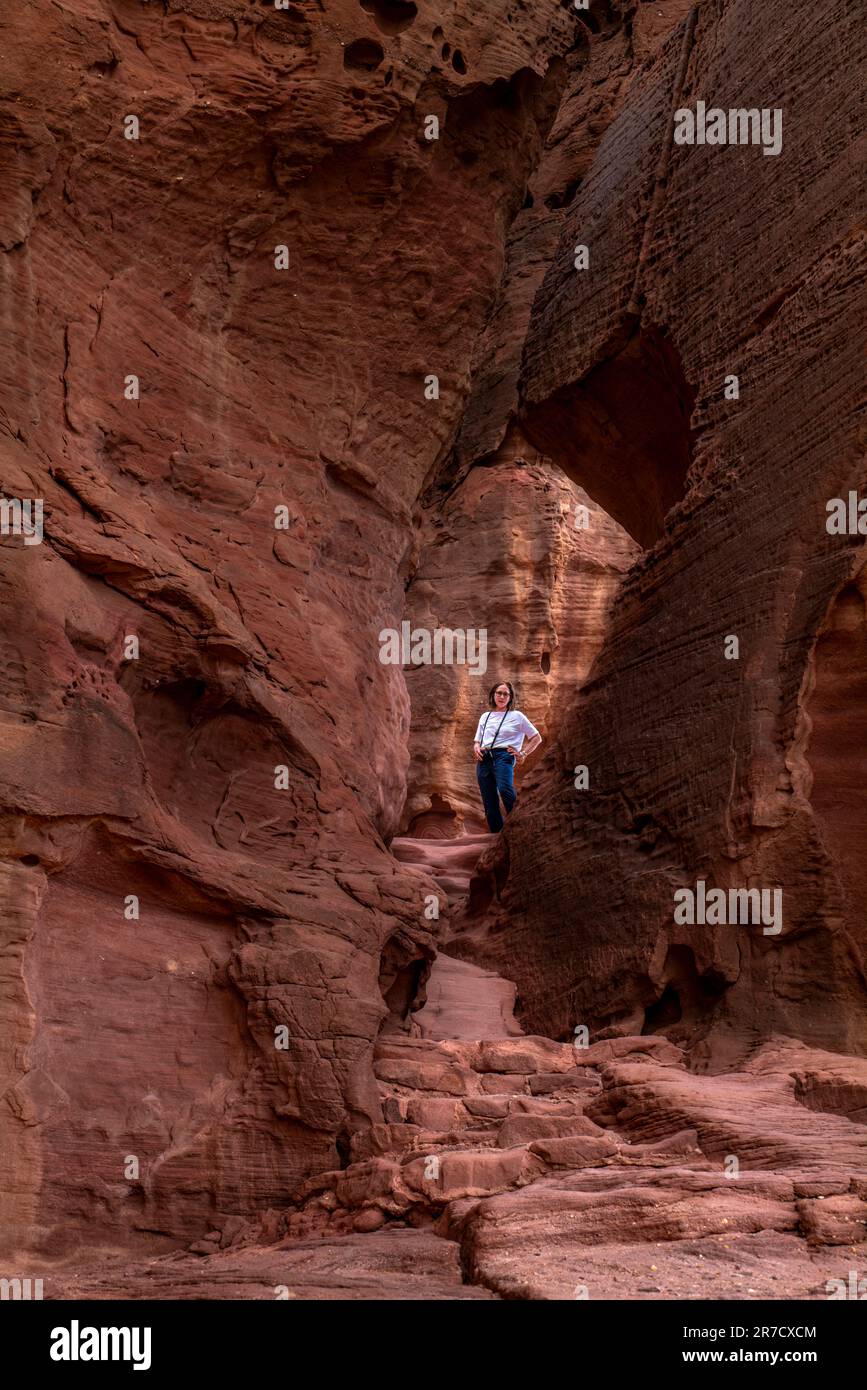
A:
[(433, 1173), (449, 862), (462, 1124), (460, 1067), (465, 1001)]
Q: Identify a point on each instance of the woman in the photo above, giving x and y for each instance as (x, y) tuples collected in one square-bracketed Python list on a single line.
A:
[(499, 736)]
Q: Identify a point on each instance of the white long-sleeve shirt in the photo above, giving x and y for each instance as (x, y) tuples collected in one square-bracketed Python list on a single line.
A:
[(516, 727)]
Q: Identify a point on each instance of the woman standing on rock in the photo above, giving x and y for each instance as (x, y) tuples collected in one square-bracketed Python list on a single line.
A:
[(499, 736)]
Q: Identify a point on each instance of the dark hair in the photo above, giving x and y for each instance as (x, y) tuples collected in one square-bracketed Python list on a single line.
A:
[(512, 694)]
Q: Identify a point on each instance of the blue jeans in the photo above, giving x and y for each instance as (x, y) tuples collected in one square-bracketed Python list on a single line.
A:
[(495, 781)]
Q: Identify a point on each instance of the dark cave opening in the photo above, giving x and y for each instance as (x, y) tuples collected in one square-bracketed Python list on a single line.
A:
[(687, 997), (402, 976), (623, 433), (666, 1011), (391, 16)]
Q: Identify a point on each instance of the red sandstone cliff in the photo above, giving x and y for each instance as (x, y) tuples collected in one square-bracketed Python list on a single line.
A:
[(701, 766)]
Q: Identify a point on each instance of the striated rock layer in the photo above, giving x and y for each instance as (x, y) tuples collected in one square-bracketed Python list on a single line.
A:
[(217, 343), (523, 1168), (516, 552), (706, 263), (206, 1055)]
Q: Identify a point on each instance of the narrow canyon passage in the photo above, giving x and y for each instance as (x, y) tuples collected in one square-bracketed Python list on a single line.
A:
[(461, 1000), (525, 557), (325, 319)]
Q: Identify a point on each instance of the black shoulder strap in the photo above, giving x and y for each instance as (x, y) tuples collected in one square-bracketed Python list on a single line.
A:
[(499, 727)]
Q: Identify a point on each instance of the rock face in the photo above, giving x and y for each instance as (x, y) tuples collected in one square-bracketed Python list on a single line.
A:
[(523, 1168), (229, 452), (739, 772), (294, 349), (517, 552)]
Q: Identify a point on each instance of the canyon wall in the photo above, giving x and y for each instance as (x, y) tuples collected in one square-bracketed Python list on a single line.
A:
[(231, 259), (707, 264), (520, 553)]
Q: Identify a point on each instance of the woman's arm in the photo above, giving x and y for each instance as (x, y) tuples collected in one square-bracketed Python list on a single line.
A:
[(477, 746), (531, 745)]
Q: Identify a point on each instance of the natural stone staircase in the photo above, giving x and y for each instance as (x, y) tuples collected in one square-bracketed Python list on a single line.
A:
[(519, 1168), (556, 1168), (449, 862), (463, 1000), (607, 1168), (467, 1120)]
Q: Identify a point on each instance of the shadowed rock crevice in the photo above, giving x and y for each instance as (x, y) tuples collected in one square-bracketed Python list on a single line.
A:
[(837, 711), (391, 16), (623, 432), (403, 972), (687, 997)]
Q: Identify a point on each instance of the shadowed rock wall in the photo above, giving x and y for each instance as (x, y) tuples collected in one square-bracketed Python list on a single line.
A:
[(707, 262)]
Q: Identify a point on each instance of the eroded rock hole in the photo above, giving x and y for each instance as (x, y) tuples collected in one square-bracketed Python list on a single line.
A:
[(402, 973), (391, 16), (545, 663), (459, 62), (664, 1012), (687, 996), (364, 55), (623, 433), (438, 823)]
